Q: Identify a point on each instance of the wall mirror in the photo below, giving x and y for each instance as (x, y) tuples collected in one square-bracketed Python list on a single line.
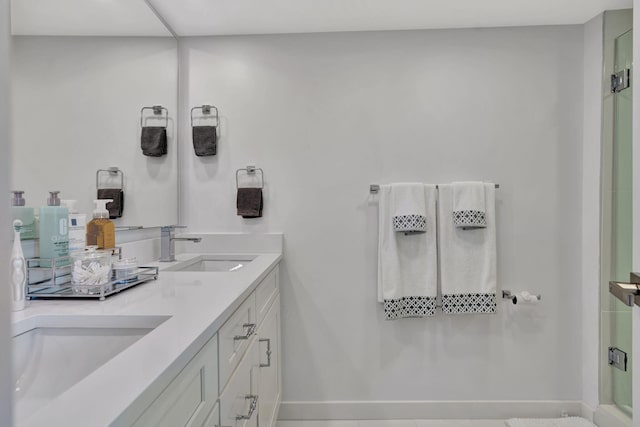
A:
[(79, 83)]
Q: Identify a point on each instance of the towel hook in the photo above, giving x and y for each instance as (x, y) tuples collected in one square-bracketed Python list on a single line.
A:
[(250, 170), (206, 110), (157, 111)]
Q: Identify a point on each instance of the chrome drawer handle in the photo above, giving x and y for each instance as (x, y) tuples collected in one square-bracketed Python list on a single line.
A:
[(252, 407), (251, 328), (268, 364)]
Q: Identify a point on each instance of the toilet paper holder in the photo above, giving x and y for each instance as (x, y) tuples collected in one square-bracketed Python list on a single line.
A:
[(506, 294)]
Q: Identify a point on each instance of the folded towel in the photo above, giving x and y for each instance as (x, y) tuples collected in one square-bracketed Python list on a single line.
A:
[(407, 265), (205, 140), (469, 205), (116, 207), (249, 202), (467, 259), (408, 205), (154, 141), (549, 422)]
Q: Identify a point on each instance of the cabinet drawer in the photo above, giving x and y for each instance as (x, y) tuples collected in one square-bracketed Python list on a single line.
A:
[(189, 398), (265, 293), (231, 336), (241, 391)]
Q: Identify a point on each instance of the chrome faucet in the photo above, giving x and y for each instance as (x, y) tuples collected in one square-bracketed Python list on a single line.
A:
[(167, 239)]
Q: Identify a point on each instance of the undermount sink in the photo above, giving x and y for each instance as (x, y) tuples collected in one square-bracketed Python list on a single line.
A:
[(214, 263), (53, 353)]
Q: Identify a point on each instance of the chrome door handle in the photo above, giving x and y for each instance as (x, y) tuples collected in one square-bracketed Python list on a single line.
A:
[(627, 292), (252, 407), (251, 328), (268, 341)]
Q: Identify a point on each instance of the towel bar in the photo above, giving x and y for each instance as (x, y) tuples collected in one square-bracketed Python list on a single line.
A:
[(375, 188)]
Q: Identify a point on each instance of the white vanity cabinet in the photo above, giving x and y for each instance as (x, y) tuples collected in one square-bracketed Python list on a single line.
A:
[(252, 395), (234, 380), (189, 398)]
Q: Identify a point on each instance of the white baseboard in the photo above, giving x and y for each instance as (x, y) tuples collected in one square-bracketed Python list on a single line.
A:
[(611, 416), (441, 410)]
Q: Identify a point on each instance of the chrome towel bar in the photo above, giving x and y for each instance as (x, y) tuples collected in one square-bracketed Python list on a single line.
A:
[(375, 188)]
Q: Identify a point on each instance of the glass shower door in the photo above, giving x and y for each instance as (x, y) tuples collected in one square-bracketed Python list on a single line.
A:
[(622, 220)]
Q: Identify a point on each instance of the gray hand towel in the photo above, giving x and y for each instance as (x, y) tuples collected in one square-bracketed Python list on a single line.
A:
[(205, 140), (116, 207), (154, 141), (249, 202)]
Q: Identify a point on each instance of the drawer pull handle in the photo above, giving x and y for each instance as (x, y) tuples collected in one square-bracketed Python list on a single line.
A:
[(251, 328), (268, 364), (252, 407)]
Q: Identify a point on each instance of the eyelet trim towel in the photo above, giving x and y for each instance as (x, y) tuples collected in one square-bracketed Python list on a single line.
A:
[(407, 264), (467, 258), (408, 207), (469, 209), (410, 223), (549, 422)]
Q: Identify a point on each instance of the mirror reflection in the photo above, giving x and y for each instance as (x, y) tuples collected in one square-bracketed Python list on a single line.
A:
[(81, 83)]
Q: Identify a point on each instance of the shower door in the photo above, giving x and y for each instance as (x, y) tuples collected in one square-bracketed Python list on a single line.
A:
[(620, 319)]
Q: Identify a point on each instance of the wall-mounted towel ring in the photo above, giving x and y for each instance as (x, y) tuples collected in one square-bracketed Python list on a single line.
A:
[(157, 111), (114, 192), (206, 110), (250, 170)]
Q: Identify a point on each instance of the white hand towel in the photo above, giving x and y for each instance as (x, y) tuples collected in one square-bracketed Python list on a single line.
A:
[(409, 207), (467, 258), (407, 265), (469, 210)]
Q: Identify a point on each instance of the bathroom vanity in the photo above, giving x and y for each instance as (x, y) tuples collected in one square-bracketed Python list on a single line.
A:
[(194, 348)]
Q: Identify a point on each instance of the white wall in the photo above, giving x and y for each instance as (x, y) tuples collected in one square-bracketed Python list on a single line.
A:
[(6, 382), (83, 114), (325, 115), (591, 205)]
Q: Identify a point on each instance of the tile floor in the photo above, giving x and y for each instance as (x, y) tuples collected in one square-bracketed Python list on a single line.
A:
[(394, 423)]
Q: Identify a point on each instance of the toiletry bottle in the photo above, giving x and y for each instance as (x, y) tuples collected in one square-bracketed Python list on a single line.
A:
[(77, 227), (18, 270), (54, 231), (101, 231), (24, 214)]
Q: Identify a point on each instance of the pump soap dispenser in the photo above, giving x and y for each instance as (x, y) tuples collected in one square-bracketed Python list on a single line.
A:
[(54, 231), (26, 215), (101, 231)]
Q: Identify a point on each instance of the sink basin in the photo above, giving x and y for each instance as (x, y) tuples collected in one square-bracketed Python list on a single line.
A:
[(53, 353), (216, 263)]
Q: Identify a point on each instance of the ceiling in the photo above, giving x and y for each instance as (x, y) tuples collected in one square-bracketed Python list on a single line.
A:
[(220, 17), (85, 18)]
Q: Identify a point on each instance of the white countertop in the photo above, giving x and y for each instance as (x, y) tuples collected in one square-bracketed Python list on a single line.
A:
[(198, 303)]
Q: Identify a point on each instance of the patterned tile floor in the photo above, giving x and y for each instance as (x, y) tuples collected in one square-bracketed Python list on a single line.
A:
[(394, 423)]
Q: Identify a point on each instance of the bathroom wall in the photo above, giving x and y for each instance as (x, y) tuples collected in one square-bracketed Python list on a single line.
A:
[(325, 115), (6, 389)]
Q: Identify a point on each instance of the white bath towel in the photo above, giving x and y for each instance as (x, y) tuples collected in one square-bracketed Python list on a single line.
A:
[(407, 264), (467, 258), (409, 207), (549, 422), (469, 210)]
